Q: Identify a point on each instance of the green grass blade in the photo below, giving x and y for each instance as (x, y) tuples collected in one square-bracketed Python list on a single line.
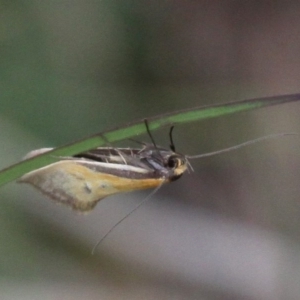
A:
[(133, 129)]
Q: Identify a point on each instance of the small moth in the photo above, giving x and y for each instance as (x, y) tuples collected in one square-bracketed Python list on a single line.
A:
[(81, 181), (86, 178)]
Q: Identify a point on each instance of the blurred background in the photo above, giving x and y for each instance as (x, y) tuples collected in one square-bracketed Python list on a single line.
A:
[(229, 230)]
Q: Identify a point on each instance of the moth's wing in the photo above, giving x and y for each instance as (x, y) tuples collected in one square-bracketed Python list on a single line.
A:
[(80, 185), (126, 156), (71, 184), (99, 154), (36, 152)]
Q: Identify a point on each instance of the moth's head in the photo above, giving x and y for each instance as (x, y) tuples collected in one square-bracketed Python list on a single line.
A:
[(166, 163), (176, 164)]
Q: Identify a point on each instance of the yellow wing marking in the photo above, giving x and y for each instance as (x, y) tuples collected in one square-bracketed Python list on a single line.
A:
[(79, 187)]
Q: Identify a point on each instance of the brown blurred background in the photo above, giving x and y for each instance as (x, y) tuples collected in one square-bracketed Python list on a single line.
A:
[(230, 230)]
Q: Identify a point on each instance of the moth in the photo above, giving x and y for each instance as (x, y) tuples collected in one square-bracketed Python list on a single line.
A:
[(81, 181)]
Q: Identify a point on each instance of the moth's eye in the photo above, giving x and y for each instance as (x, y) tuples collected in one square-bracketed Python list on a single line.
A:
[(173, 162)]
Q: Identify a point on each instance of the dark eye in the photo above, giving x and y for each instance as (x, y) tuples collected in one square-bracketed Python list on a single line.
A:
[(173, 162)]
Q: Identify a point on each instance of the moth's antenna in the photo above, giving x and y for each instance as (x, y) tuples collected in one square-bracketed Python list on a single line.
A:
[(271, 136), (149, 132), (172, 146), (126, 216)]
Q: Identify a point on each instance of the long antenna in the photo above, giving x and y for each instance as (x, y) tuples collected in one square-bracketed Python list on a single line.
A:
[(263, 138), (126, 216)]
